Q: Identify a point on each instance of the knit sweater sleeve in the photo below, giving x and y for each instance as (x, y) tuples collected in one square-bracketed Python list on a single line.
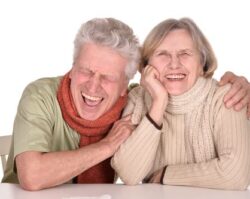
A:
[(231, 168), (136, 155)]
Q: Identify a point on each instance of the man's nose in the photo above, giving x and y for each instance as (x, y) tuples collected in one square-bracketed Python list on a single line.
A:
[(94, 83)]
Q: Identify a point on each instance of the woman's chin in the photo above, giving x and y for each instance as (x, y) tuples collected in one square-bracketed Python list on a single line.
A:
[(176, 92)]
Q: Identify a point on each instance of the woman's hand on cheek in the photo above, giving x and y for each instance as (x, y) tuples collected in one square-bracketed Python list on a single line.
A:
[(150, 80)]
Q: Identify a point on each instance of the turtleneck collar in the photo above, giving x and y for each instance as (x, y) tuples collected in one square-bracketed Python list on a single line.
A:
[(192, 98)]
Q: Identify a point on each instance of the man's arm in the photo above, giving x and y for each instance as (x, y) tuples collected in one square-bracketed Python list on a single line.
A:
[(239, 94), (38, 170)]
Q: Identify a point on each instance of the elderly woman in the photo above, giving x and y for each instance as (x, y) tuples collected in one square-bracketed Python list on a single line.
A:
[(185, 134)]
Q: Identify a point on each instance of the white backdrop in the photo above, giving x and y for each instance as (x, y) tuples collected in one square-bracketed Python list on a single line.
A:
[(36, 37)]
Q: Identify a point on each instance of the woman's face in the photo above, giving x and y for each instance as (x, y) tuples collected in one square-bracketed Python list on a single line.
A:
[(177, 61)]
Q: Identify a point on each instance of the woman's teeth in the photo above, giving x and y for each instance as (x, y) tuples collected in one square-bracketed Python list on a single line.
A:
[(175, 76)]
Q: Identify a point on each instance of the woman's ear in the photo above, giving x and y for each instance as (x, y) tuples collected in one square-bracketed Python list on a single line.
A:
[(143, 64), (202, 72), (205, 67)]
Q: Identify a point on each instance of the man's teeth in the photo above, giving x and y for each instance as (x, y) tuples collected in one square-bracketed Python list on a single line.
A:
[(175, 76), (92, 98)]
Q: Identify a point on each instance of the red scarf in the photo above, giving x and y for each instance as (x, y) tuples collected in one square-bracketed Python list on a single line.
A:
[(90, 131)]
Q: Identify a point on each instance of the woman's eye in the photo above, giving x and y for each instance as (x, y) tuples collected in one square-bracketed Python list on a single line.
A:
[(183, 54), (162, 54)]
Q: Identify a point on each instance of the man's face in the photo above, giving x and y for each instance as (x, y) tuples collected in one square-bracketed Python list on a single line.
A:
[(97, 80)]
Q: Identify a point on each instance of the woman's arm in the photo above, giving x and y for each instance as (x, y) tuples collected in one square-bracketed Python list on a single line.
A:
[(135, 157), (231, 168)]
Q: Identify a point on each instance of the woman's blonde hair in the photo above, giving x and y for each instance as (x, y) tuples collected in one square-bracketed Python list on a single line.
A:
[(159, 32)]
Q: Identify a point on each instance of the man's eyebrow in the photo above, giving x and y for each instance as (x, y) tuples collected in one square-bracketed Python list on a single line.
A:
[(110, 75)]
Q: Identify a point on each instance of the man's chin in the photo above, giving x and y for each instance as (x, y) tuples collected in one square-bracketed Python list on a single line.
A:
[(90, 116), (90, 113)]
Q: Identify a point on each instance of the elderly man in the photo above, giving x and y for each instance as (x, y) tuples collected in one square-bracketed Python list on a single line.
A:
[(67, 128), (62, 124)]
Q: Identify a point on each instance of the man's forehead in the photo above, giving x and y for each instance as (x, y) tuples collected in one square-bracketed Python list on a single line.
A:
[(102, 59)]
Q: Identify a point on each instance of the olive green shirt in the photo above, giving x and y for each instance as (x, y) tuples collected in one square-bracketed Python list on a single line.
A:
[(39, 125)]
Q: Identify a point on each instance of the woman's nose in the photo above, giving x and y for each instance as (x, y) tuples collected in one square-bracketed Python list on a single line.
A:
[(174, 62)]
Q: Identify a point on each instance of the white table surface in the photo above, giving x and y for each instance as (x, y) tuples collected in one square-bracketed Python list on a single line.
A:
[(119, 191)]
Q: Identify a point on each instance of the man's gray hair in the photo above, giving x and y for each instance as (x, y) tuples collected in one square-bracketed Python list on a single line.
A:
[(111, 33)]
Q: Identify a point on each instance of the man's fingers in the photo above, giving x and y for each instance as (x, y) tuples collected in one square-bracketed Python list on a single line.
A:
[(229, 99), (239, 97), (241, 104), (122, 133), (124, 121), (239, 94), (126, 118), (248, 110), (228, 77)]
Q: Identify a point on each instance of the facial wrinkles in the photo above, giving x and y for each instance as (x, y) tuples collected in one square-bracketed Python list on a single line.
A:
[(96, 77), (177, 62), (98, 80)]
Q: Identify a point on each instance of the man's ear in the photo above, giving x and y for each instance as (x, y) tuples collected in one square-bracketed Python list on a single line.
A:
[(70, 74), (124, 92), (125, 88)]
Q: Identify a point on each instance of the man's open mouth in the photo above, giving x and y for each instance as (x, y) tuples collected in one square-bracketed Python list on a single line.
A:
[(91, 100)]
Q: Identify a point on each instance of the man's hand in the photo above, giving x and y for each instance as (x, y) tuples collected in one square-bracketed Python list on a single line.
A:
[(239, 94), (120, 131)]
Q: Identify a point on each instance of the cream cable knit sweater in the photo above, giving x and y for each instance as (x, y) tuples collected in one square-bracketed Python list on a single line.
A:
[(202, 143)]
